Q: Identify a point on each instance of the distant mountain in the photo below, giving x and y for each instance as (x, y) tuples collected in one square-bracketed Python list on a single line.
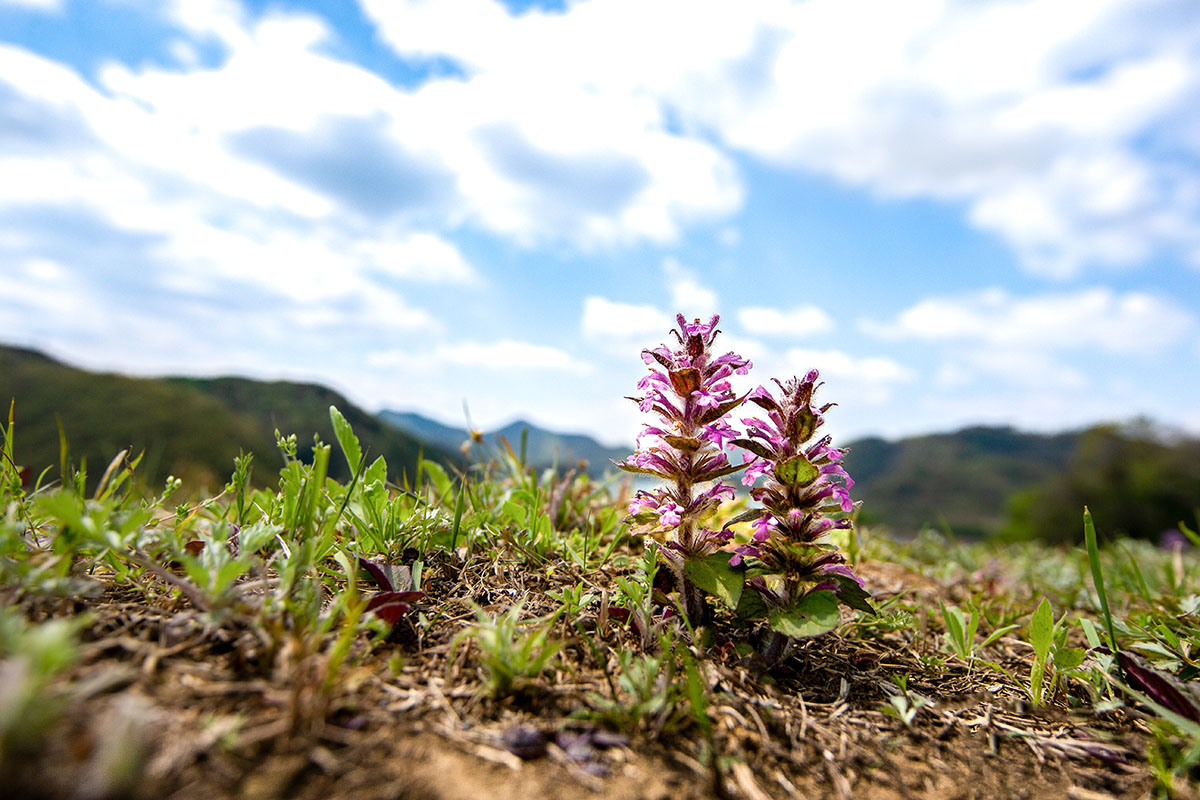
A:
[(425, 429), (965, 481), (543, 448), (188, 427), (962, 480), (975, 481)]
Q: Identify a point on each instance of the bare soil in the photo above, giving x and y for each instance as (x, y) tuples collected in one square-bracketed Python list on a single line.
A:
[(203, 711)]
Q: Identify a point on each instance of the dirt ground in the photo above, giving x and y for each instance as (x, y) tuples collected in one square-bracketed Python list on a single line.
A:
[(166, 705)]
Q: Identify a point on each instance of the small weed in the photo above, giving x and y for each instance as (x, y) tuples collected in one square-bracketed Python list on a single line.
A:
[(648, 693), (31, 657), (511, 658), (573, 599), (905, 705), (961, 629)]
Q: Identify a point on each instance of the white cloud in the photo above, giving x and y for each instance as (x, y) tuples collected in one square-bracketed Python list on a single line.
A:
[(795, 322), (34, 5), (42, 288), (420, 256), (836, 364), (1129, 323), (149, 165), (1010, 368), (867, 380), (506, 355), (607, 320), (1035, 115), (1062, 128), (284, 159), (688, 296), (509, 354)]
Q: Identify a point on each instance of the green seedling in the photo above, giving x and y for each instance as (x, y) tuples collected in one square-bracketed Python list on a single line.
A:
[(648, 692), (573, 599), (961, 629), (905, 705), (31, 657), (1093, 551), (512, 658), (1051, 655)]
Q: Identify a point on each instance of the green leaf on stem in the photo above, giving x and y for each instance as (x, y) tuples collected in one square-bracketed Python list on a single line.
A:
[(720, 411), (689, 444), (797, 472), (745, 516), (815, 614), (346, 438), (751, 606), (800, 427), (1041, 630), (640, 470), (713, 574), (853, 595)]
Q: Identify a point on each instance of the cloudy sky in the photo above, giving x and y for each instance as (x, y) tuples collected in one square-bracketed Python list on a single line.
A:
[(961, 212)]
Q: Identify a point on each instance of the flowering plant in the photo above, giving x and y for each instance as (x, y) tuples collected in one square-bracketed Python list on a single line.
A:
[(689, 392), (805, 483)]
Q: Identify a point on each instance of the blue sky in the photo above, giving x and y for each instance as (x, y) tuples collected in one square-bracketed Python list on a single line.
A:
[(961, 212)]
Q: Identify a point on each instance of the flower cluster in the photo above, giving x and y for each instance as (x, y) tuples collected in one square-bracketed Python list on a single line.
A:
[(689, 392), (804, 483)]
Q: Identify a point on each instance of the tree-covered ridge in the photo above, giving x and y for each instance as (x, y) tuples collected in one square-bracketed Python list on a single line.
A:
[(962, 480), (188, 427), (975, 482)]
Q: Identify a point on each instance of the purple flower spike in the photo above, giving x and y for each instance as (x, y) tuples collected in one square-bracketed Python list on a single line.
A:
[(688, 392), (805, 482)]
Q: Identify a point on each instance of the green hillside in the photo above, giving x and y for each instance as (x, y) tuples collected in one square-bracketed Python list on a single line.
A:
[(978, 481), (963, 480), (981, 481), (188, 427)]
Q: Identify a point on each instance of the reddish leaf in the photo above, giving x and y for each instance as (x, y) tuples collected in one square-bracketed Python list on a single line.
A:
[(1158, 686), (619, 614), (378, 573), (391, 606), (666, 363)]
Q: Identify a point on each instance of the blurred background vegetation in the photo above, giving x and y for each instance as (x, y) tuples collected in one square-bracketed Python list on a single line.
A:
[(1141, 480), (187, 427)]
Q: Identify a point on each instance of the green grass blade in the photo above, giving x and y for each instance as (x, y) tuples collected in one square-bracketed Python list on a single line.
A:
[(1093, 551), (458, 514)]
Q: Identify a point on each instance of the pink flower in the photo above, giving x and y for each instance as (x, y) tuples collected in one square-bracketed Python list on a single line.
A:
[(763, 526), (669, 514), (757, 468)]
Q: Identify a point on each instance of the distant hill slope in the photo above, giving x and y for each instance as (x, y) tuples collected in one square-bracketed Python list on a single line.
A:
[(189, 427), (543, 448), (975, 481), (963, 480)]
